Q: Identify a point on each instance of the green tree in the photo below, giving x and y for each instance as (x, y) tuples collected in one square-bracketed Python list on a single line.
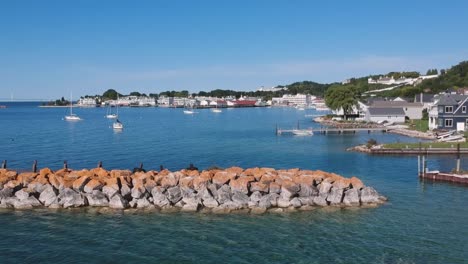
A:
[(342, 97), (111, 94)]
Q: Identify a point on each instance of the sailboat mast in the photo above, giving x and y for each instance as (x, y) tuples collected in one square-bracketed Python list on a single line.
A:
[(71, 103)]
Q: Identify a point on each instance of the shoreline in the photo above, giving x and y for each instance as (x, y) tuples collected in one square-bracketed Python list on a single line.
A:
[(254, 190), (390, 129)]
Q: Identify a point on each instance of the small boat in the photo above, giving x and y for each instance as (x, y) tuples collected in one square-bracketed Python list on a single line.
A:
[(2, 106), (298, 132), (216, 110), (189, 112), (446, 134), (71, 116), (454, 138), (117, 125), (111, 115)]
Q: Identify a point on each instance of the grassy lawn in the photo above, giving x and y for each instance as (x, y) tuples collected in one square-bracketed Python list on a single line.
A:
[(426, 145), (418, 125)]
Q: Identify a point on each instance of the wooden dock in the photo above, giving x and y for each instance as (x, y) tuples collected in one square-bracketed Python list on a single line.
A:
[(446, 177), (326, 131)]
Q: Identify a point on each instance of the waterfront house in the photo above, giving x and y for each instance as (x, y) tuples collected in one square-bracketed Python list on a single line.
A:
[(449, 112), (389, 114), (412, 110)]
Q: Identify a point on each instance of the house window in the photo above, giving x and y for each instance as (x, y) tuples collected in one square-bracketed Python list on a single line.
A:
[(463, 109), (466, 123), (449, 109), (441, 122), (448, 122)]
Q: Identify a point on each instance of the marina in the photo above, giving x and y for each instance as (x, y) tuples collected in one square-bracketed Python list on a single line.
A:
[(326, 131)]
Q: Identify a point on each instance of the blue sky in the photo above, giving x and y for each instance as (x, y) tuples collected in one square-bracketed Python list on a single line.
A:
[(49, 48)]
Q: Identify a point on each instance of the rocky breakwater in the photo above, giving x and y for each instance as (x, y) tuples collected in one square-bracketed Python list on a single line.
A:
[(255, 189)]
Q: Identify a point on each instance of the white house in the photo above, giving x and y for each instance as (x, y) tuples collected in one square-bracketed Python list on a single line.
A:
[(391, 115), (412, 110)]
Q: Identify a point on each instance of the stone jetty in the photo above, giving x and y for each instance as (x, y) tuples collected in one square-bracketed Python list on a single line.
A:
[(256, 189)]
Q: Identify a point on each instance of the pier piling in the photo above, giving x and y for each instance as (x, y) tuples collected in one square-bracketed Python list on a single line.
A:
[(458, 157), (65, 164), (4, 164), (99, 164), (34, 167)]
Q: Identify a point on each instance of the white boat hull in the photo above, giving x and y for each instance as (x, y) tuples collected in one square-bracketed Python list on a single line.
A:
[(72, 118)]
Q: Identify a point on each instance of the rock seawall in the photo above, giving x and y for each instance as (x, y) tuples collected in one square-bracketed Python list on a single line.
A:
[(254, 189)]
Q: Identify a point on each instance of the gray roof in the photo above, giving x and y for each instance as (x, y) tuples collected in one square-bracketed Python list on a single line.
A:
[(426, 98), (391, 104), (451, 99), (382, 111)]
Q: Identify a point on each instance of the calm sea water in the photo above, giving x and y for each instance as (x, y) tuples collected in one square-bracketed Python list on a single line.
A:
[(422, 222)]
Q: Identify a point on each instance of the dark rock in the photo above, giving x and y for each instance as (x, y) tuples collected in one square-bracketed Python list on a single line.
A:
[(308, 191), (6, 193), (97, 198), (174, 195)]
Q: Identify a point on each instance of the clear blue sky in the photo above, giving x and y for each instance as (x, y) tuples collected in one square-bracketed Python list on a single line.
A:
[(49, 48)]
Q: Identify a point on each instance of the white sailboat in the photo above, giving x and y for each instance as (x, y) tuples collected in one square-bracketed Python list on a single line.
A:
[(109, 114), (117, 124), (216, 110), (71, 116)]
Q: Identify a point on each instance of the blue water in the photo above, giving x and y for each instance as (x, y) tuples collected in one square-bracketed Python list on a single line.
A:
[(423, 222)]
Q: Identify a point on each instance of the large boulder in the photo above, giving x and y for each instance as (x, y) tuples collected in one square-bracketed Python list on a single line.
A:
[(335, 196), (26, 203), (295, 202), (48, 196), (143, 203), (289, 189), (97, 199), (320, 200), (138, 190), (223, 177), (240, 198), (70, 198), (266, 201), (256, 196), (308, 191), (324, 188), (351, 197), (174, 194), (356, 183), (241, 184), (169, 180), (259, 187), (6, 193), (159, 199), (80, 183), (274, 187), (93, 185), (118, 202), (22, 194), (224, 194), (284, 202), (369, 195)]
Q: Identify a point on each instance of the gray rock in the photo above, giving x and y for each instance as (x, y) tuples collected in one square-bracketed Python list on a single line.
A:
[(138, 193), (188, 192), (109, 191), (230, 205), (174, 195), (132, 203), (290, 191), (351, 197), (22, 194), (256, 196), (24, 203), (252, 204), (369, 195), (266, 201), (37, 187), (213, 189), (70, 198), (283, 202), (48, 196), (295, 202), (224, 194), (210, 203), (307, 200), (335, 196), (97, 198), (274, 199), (308, 191), (190, 207), (118, 202), (240, 198), (88, 189), (143, 203), (6, 193), (324, 189), (320, 200), (159, 199)]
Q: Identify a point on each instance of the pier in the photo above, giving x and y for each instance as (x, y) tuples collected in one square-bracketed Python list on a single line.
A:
[(326, 131)]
